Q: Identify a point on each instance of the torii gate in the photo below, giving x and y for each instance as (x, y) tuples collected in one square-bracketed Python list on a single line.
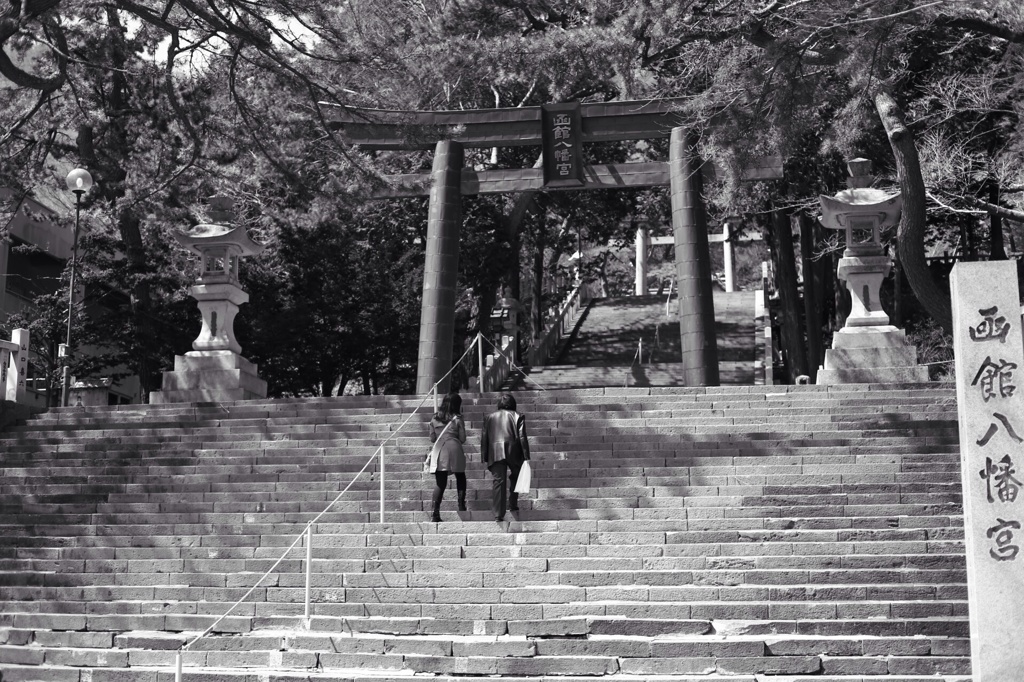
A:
[(560, 129)]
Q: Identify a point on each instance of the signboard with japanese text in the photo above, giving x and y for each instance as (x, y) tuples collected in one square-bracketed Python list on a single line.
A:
[(989, 354), (562, 132)]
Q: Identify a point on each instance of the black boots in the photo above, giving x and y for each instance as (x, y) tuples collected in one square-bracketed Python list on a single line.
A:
[(438, 494)]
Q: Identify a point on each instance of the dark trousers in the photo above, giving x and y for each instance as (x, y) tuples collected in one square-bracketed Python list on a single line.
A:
[(500, 471), (441, 483)]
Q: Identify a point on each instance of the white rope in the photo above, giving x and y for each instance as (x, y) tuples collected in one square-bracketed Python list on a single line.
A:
[(316, 518)]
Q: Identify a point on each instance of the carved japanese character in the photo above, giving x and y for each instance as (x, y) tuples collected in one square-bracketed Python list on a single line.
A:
[(991, 327), (995, 376), (1003, 533), (999, 475), (993, 427)]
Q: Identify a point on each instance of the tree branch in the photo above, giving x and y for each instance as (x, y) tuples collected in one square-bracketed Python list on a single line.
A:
[(44, 97), (979, 25), (23, 78), (996, 210), (911, 231)]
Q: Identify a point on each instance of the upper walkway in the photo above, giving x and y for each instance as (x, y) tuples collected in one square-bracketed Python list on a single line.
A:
[(604, 350)]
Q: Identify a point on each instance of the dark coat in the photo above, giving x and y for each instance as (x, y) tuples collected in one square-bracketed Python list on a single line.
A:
[(503, 437)]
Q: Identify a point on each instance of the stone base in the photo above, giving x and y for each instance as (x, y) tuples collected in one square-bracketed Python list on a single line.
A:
[(210, 376), (871, 355)]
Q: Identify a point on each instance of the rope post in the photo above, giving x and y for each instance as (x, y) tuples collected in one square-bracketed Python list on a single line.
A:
[(177, 666), (309, 567), (382, 479), (640, 351), (480, 360), (434, 392)]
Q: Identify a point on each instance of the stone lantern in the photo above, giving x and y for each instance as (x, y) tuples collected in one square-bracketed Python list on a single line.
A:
[(505, 324), (867, 349), (215, 371)]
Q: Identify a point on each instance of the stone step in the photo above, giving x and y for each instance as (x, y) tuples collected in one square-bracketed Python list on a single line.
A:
[(709, 486), (415, 659), (635, 556), (213, 507), (290, 406), (707, 655), (681, 637), (180, 610), (636, 620), (914, 510), (567, 473), (297, 459), (347, 410), (752, 443), (932, 458), (695, 519), (752, 419), (649, 472), (260, 530), (595, 455), (20, 673), (671, 439), (276, 535), (409, 423), (851, 579)]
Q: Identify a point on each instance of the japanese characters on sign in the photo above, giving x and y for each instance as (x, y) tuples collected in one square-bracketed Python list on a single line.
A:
[(562, 135), (989, 360), (994, 381)]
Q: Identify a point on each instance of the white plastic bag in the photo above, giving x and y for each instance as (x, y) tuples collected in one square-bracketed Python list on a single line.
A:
[(525, 478)]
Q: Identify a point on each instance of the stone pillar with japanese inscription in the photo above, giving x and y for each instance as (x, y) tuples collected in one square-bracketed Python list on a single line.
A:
[(14, 366), (989, 355)]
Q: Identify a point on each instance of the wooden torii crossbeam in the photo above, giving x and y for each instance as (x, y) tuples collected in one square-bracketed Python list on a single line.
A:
[(561, 130), (379, 129), (602, 122)]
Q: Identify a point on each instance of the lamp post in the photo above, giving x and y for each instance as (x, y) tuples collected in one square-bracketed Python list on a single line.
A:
[(79, 181)]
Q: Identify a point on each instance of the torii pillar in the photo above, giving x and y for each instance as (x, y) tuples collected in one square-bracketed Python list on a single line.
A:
[(441, 268), (693, 264)]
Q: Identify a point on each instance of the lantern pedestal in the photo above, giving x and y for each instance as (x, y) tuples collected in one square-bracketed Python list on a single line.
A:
[(871, 355), (210, 376), (214, 371)]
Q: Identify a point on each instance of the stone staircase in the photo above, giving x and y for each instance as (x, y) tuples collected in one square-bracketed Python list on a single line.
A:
[(603, 352), (734, 534)]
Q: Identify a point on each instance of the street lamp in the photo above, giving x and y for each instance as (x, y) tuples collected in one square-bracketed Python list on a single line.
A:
[(79, 181)]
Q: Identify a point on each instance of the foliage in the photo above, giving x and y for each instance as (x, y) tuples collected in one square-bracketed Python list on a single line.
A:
[(168, 104)]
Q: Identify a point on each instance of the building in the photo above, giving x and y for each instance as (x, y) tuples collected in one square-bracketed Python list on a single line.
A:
[(36, 221)]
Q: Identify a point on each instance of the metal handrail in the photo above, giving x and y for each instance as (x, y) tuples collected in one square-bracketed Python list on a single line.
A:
[(307, 531), (511, 365), (540, 350)]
